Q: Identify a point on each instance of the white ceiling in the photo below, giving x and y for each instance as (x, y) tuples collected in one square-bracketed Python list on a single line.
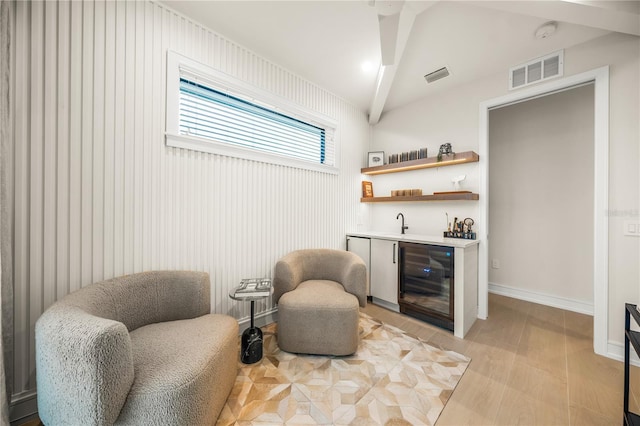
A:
[(327, 41)]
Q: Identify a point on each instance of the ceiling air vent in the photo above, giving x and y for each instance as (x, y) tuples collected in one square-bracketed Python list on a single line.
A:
[(536, 70), (436, 75)]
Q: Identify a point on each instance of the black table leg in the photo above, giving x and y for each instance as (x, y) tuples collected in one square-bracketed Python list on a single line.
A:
[(251, 347)]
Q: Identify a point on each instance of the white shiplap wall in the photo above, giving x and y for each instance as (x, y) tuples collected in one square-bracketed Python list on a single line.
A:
[(96, 192)]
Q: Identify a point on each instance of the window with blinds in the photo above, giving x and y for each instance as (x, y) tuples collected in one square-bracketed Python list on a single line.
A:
[(210, 114), (213, 112)]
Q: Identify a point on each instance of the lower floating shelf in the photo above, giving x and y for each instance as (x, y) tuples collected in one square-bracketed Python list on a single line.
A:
[(434, 197)]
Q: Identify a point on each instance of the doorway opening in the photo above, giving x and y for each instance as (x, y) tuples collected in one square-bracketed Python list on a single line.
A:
[(541, 198), (600, 79)]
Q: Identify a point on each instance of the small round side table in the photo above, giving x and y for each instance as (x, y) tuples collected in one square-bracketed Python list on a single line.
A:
[(251, 343)]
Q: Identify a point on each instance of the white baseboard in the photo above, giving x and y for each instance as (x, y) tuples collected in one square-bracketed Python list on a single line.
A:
[(616, 351), (542, 298)]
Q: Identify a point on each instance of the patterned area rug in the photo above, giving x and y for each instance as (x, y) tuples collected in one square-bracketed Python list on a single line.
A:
[(393, 379)]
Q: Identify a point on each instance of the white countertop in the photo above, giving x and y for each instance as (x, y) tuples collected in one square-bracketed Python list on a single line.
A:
[(415, 238)]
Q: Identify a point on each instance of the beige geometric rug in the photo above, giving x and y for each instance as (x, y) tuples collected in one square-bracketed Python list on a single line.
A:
[(393, 379)]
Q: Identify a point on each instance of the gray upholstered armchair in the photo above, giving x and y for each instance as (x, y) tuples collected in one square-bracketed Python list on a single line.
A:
[(139, 349), (318, 292)]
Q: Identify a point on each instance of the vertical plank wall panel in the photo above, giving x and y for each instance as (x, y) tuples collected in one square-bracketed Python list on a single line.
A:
[(109, 137), (75, 147), (98, 138), (98, 193), (50, 148), (128, 139), (36, 211), (139, 136), (148, 133), (86, 143), (62, 156), (119, 141), (21, 180)]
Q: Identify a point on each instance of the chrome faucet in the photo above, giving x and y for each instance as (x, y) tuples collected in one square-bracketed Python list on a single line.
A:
[(403, 225)]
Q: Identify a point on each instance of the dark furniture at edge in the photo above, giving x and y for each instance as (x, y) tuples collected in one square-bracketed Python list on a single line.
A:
[(632, 337)]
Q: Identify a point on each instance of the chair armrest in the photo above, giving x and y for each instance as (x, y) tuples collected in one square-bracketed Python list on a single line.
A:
[(183, 294), (288, 274), (354, 279), (84, 367)]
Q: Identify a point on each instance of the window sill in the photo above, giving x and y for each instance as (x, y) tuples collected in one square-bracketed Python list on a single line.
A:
[(212, 147)]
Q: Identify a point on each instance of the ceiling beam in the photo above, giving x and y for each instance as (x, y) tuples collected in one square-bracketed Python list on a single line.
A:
[(388, 27), (594, 14), (387, 73)]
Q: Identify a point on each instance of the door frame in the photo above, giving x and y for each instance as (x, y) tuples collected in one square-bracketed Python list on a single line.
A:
[(600, 78)]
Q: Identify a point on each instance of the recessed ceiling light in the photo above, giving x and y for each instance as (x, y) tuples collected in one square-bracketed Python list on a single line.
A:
[(367, 66)]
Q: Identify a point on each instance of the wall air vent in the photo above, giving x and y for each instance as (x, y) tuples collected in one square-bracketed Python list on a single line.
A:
[(436, 75), (536, 70)]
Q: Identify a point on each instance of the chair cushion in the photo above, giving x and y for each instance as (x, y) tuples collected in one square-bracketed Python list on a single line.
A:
[(318, 317), (184, 371), (319, 294)]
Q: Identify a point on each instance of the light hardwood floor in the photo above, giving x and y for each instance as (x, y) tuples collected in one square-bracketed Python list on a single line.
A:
[(531, 365)]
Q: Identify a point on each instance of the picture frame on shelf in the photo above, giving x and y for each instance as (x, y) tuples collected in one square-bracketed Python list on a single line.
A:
[(376, 158), (367, 189)]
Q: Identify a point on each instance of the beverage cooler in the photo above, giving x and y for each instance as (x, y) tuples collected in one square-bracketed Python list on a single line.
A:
[(426, 283)]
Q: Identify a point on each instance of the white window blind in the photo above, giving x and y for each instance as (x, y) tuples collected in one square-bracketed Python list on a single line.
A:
[(210, 114), (213, 112)]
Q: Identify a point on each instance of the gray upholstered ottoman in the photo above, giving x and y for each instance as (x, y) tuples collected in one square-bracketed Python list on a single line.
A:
[(319, 292), (318, 318)]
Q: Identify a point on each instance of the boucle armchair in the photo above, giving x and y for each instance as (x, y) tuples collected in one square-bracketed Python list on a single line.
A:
[(318, 292), (139, 349)]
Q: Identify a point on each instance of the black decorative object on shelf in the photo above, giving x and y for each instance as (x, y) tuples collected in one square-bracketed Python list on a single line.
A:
[(463, 235), (445, 149), (460, 229)]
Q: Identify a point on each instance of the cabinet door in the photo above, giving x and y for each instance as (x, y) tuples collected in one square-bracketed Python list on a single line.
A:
[(362, 248), (384, 271)]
